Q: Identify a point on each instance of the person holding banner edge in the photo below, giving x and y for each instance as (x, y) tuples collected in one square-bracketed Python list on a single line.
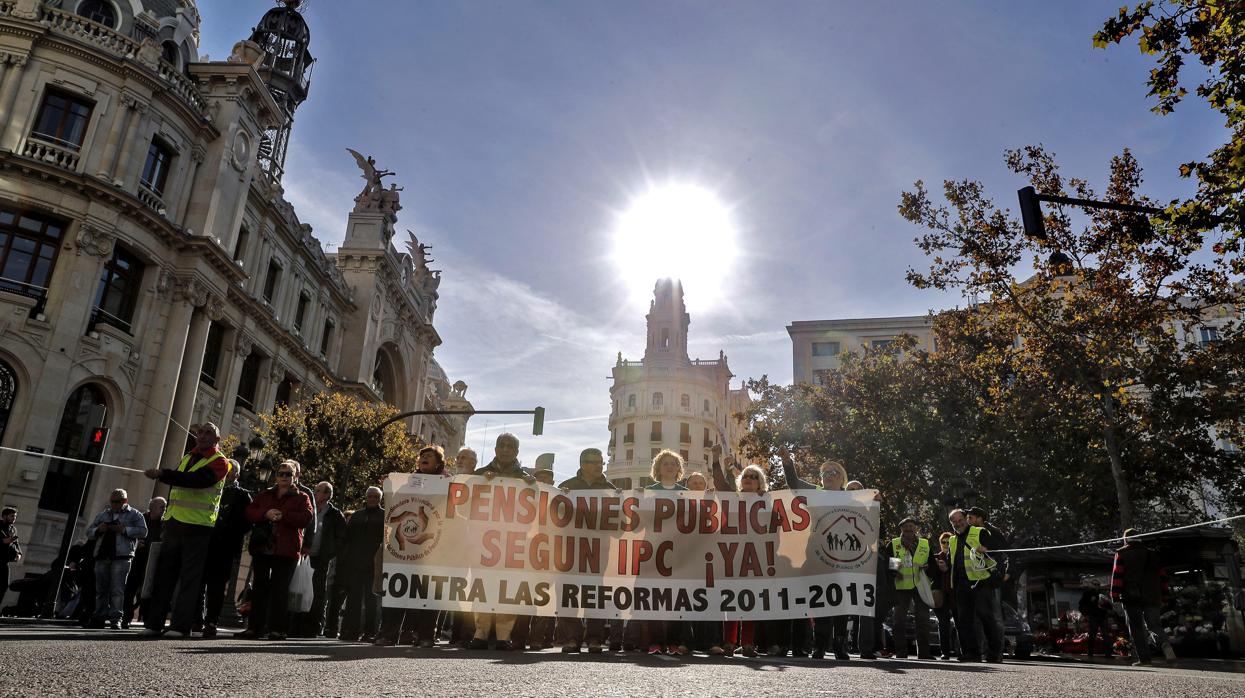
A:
[(505, 464)]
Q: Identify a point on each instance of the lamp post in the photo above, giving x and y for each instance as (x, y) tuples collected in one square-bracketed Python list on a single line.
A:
[(256, 464)]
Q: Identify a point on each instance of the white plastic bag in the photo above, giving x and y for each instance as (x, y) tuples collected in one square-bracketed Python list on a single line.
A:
[(301, 590), (924, 590)]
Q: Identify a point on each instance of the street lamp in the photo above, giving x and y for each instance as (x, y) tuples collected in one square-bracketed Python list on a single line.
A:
[(256, 465)]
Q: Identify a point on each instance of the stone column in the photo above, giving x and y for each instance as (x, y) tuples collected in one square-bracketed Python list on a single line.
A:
[(124, 157), (11, 77), (188, 376), (187, 190), (240, 349), (165, 373), (122, 114)]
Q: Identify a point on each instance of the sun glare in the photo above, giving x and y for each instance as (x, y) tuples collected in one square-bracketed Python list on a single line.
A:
[(680, 231)]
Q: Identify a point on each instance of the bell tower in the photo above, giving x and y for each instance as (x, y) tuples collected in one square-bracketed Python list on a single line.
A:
[(286, 69), (667, 324)]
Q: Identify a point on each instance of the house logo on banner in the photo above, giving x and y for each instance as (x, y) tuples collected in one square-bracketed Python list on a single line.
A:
[(414, 528), (842, 538)]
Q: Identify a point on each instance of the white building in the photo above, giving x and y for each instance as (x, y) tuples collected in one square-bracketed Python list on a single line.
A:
[(668, 401)]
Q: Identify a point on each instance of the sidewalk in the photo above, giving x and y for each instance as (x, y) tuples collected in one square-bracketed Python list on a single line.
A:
[(1190, 663)]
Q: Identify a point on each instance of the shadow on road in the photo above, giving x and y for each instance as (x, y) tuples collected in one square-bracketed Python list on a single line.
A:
[(350, 652)]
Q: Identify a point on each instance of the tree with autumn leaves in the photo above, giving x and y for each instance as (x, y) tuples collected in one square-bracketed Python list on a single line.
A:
[(333, 437)]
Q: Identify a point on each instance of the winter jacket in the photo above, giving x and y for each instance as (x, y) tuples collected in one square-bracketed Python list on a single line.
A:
[(1136, 577), (579, 482), (125, 541), (794, 481), (10, 552), (282, 538), (513, 470), (331, 533), (232, 523), (365, 532)]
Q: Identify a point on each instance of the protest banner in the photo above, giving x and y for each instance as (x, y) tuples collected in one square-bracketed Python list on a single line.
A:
[(502, 546)]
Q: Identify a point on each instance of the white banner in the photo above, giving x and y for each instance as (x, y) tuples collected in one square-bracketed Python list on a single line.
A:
[(501, 546)]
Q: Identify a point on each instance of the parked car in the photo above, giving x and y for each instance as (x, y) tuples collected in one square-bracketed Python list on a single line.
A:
[(1017, 635)]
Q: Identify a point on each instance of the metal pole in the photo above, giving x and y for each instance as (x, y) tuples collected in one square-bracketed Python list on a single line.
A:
[(71, 526)]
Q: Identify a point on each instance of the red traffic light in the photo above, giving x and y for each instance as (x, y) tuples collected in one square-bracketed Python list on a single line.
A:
[(99, 436)]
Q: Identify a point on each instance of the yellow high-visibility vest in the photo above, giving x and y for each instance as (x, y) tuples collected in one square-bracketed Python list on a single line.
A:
[(196, 507), (911, 564), (973, 540)]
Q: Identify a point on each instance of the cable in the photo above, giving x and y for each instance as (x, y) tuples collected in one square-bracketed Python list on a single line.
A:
[(1112, 540), (71, 460)]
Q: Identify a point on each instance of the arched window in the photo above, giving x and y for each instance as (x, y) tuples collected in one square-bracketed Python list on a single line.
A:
[(100, 11), (170, 53), (383, 378), (65, 480), (685, 402), (8, 392), (631, 401), (706, 406), (658, 400)]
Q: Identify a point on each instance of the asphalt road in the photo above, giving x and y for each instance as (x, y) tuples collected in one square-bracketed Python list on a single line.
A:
[(42, 661)]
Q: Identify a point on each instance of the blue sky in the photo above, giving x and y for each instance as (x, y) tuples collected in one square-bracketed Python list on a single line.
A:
[(520, 130)]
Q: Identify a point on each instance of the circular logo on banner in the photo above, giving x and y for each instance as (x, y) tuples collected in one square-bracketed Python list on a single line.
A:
[(414, 528), (842, 538)]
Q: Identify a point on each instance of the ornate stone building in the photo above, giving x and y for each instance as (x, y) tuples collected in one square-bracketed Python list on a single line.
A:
[(152, 273), (668, 401)]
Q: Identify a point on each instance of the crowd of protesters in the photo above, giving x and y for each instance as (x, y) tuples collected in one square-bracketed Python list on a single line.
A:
[(172, 564)]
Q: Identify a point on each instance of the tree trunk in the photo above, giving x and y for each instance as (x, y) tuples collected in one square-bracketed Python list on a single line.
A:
[(1111, 440)]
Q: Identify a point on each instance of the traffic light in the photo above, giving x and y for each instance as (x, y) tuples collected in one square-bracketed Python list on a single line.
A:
[(1031, 213), (97, 439), (538, 421)]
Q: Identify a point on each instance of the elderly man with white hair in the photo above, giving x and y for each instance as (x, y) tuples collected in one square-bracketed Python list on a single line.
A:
[(116, 532), (365, 533)]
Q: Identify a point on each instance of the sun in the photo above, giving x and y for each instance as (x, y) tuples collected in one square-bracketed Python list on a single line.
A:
[(680, 231)]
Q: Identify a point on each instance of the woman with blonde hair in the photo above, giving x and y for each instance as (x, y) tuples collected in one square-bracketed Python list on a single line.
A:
[(666, 472)]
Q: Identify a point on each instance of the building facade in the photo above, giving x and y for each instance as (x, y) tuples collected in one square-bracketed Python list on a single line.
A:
[(152, 274), (669, 401), (817, 344)]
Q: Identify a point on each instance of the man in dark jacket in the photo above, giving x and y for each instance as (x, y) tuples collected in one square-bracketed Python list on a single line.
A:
[(1093, 607), (999, 576), (365, 533), (571, 631), (142, 554), (331, 528), (504, 464), (224, 548), (1138, 582), (11, 550)]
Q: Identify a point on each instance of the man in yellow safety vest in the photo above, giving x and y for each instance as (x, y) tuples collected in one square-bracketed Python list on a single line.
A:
[(194, 502), (910, 559), (970, 571)]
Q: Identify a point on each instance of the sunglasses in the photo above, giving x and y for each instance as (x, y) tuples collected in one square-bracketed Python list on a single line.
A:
[(285, 473), (117, 501), (751, 477)]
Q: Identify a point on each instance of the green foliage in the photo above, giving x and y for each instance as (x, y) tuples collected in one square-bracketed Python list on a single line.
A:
[(1212, 33), (330, 434), (1102, 329)]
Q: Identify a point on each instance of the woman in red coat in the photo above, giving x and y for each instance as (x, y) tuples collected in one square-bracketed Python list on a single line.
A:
[(279, 514)]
